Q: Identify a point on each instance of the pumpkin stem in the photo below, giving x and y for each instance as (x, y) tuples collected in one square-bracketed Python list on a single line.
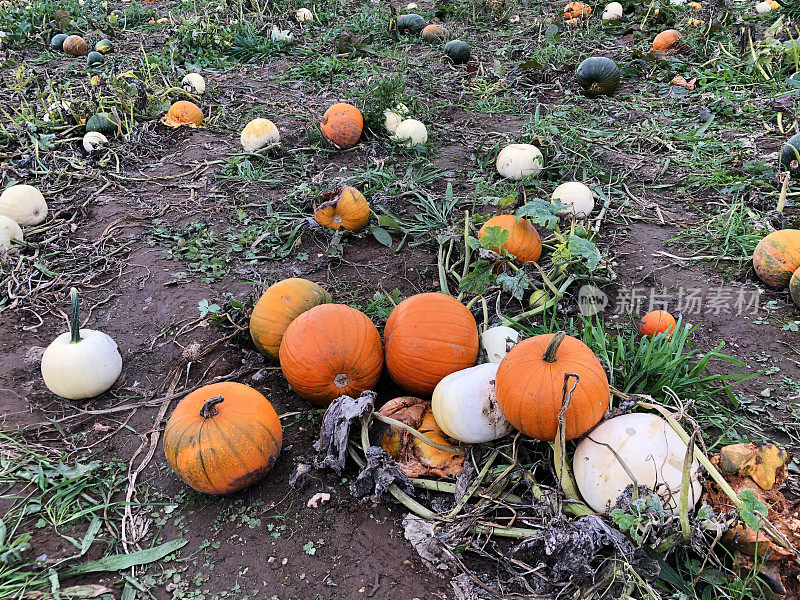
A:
[(552, 348), (74, 318), (210, 407)]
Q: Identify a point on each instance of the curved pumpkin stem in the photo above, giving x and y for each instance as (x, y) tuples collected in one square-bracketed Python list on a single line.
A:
[(210, 407), (74, 318), (552, 348)]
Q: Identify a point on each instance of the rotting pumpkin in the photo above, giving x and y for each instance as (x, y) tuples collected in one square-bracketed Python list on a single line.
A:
[(183, 114), (342, 125), (329, 351), (222, 438), (531, 380), (278, 306), (343, 208), (577, 10)]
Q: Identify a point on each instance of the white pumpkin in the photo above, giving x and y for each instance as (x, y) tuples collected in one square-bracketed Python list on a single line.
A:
[(497, 341), (259, 133), (612, 12), (677, 2), (282, 36), (9, 230), (81, 363), (516, 161), (763, 7), (412, 132), (24, 204), (303, 15), (392, 117), (651, 450), (411, 6), (465, 405), (92, 139), (577, 197), (194, 83)]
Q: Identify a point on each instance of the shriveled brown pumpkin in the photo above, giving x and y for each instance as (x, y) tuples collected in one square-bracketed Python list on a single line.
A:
[(343, 208)]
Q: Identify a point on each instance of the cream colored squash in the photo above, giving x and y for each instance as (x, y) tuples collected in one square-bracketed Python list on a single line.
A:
[(282, 36), (194, 83), (92, 139), (577, 197), (465, 405), (303, 15), (763, 7), (651, 450), (412, 132), (612, 12), (516, 161), (24, 204), (497, 341), (258, 134), (9, 230), (81, 363), (392, 117)]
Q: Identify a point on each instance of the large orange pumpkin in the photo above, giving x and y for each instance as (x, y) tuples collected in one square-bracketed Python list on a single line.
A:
[(278, 306), (343, 208), (222, 437), (329, 351), (75, 45), (428, 336), (530, 386), (777, 256), (183, 113), (657, 321), (342, 125), (794, 287), (523, 241), (668, 41)]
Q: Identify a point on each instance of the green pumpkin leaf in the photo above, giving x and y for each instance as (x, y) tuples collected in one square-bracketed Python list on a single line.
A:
[(381, 235), (495, 237), (752, 507), (579, 246), (478, 279), (541, 212), (515, 285)]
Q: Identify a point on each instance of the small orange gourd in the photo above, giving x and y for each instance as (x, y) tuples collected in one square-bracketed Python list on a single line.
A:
[(523, 242), (343, 208), (657, 321), (777, 256), (668, 41), (75, 45), (183, 113), (342, 125), (278, 306), (329, 351), (530, 386), (222, 437), (428, 336)]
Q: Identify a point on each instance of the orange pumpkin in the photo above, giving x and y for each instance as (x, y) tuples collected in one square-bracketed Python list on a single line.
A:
[(523, 241), (75, 45), (342, 125), (329, 351), (222, 437), (774, 5), (278, 306), (777, 256), (576, 10), (794, 287), (183, 113), (657, 321), (530, 385), (343, 208), (428, 336), (668, 41)]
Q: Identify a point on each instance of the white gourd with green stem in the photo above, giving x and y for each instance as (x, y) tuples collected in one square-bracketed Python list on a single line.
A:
[(80, 363)]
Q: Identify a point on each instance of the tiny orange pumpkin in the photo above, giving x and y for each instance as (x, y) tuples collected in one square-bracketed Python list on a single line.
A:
[(523, 241), (342, 125), (576, 10), (657, 321), (777, 256), (183, 113), (343, 208), (668, 41)]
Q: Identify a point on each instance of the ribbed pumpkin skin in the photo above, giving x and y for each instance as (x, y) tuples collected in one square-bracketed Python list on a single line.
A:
[(790, 156), (343, 208), (228, 451), (598, 76), (777, 256), (530, 390), (794, 287), (668, 41), (657, 321), (329, 351), (523, 241), (342, 125), (183, 113), (279, 305), (428, 336)]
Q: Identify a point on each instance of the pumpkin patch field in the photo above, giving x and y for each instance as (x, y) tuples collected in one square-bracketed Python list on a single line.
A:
[(344, 299)]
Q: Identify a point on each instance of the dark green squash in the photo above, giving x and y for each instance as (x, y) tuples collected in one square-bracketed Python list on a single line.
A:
[(410, 24), (94, 58), (598, 76), (103, 122), (57, 41), (457, 51), (104, 46), (790, 156)]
